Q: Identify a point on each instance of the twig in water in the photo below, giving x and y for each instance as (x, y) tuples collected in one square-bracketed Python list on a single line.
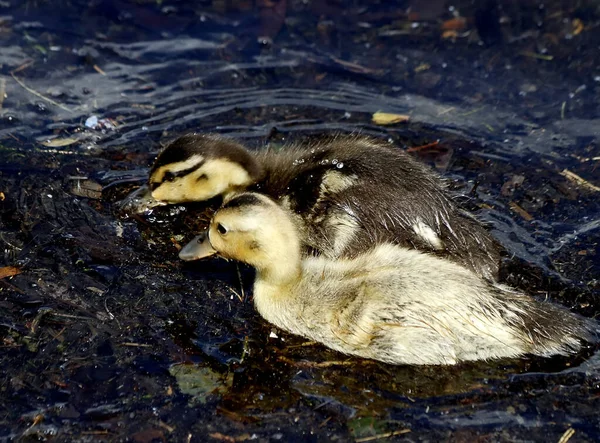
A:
[(580, 181), (538, 56), (239, 274), (236, 294), (423, 147), (314, 364), (24, 66), (445, 111), (135, 345), (37, 94), (2, 90), (99, 70), (110, 314), (380, 436), (567, 435)]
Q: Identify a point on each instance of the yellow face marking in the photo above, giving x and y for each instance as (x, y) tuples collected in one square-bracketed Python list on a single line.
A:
[(261, 235), (215, 177)]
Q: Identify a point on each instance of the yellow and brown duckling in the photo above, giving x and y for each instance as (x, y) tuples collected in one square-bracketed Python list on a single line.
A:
[(389, 303), (347, 193)]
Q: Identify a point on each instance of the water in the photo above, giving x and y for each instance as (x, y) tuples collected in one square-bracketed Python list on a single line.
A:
[(103, 313)]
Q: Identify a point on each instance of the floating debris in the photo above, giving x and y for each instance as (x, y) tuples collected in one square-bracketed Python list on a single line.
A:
[(385, 118), (9, 271), (578, 26), (580, 181), (522, 212), (200, 382), (567, 435), (100, 124), (91, 121), (454, 24), (538, 56), (509, 186), (86, 188), (384, 435), (60, 142)]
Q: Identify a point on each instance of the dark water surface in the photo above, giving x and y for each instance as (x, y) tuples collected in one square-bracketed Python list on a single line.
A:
[(107, 336)]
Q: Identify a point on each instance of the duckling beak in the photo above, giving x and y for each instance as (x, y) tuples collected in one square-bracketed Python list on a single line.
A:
[(198, 248), (140, 201)]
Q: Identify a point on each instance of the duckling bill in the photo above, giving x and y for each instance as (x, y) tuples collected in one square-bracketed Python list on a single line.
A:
[(389, 303), (198, 248), (346, 193)]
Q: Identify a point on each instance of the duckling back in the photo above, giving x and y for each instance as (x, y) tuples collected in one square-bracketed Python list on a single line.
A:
[(404, 307), (349, 192)]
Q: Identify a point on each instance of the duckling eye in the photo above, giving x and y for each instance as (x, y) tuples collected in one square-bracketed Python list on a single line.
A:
[(168, 176), (221, 229)]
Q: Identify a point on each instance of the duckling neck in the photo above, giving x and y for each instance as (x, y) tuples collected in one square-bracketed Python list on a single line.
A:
[(278, 261), (284, 271), (274, 291)]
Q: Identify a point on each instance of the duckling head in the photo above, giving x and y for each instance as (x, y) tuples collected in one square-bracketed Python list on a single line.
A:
[(198, 167), (253, 229)]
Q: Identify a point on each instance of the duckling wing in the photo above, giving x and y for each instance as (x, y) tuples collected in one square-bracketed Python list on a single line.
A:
[(350, 192), (354, 308), (404, 307)]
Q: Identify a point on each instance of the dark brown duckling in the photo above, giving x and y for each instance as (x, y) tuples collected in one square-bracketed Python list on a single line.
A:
[(347, 192)]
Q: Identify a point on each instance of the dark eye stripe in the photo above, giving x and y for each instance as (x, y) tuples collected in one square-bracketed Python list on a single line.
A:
[(169, 176)]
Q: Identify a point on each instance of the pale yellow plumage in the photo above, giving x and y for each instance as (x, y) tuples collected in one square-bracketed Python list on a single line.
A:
[(389, 303)]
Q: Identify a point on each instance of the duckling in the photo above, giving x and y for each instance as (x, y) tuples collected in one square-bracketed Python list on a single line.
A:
[(347, 192), (390, 303)]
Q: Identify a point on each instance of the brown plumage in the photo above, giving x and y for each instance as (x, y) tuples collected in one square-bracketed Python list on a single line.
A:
[(348, 192)]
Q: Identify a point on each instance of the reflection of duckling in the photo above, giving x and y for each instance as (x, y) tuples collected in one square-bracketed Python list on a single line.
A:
[(347, 192), (390, 303)]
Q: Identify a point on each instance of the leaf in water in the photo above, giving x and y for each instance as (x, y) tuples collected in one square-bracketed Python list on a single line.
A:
[(200, 382), (366, 426), (41, 49), (9, 271), (385, 118), (58, 142)]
